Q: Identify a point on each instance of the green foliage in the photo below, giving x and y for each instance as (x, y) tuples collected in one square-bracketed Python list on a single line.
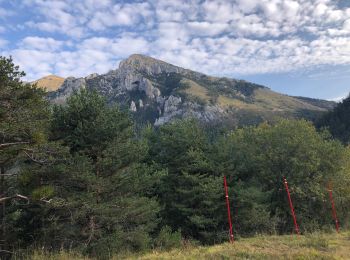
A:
[(338, 121), (42, 192), (24, 116), (191, 193), (108, 191), (262, 156), (167, 239)]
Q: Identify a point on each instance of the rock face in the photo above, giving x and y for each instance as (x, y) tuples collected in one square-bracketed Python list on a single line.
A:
[(68, 87), (157, 92)]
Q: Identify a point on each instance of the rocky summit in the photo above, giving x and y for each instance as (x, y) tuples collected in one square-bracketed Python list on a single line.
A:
[(158, 92)]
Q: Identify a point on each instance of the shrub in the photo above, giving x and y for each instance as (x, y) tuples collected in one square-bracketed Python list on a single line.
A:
[(167, 239)]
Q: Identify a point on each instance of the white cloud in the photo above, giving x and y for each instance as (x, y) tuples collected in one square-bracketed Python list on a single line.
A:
[(291, 8), (206, 28), (346, 25), (339, 98), (43, 44), (3, 43), (248, 6), (120, 15), (218, 11), (117, 48), (320, 9), (43, 56), (223, 37), (35, 63)]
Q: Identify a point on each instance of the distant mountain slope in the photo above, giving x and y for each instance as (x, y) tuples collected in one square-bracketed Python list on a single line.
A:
[(50, 82), (338, 121), (157, 92)]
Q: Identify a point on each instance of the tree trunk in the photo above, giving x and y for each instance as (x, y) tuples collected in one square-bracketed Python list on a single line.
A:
[(3, 208)]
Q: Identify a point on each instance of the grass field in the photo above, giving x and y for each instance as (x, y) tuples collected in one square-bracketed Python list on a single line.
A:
[(313, 246), (316, 246)]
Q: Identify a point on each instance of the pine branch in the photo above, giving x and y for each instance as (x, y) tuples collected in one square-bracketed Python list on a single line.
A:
[(4, 145), (42, 162), (19, 196)]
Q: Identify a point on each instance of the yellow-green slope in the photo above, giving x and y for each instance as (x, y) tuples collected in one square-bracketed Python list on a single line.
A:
[(263, 100), (315, 246), (50, 82)]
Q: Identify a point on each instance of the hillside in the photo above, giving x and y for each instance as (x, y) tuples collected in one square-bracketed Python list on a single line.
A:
[(50, 82), (157, 92), (338, 121)]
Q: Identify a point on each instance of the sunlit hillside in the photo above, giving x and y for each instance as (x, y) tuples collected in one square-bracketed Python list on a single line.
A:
[(50, 82)]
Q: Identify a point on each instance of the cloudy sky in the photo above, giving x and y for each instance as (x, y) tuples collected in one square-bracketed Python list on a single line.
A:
[(298, 47)]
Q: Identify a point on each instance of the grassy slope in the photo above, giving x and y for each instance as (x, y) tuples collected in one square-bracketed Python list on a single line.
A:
[(50, 83), (314, 246), (264, 100)]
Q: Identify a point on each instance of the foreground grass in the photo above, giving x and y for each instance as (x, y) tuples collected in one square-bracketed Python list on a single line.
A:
[(313, 246)]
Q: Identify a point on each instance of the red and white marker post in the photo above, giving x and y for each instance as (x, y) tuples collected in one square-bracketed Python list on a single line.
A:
[(228, 210), (334, 213), (296, 227)]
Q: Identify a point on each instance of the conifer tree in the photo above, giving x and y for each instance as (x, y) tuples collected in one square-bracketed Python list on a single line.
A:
[(109, 196), (191, 193)]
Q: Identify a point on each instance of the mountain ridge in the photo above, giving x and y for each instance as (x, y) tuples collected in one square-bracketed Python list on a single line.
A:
[(158, 92)]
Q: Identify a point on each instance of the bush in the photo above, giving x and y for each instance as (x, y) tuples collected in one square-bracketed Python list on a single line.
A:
[(167, 239)]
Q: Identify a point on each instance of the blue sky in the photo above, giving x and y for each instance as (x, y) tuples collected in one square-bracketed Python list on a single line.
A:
[(297, 47)]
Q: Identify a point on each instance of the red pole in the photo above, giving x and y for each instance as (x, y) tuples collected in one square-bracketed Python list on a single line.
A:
[(334, 213), (291, 206), (228, 210)]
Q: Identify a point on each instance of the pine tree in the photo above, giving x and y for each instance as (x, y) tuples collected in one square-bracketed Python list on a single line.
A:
[(191, 193), (24, 116), (109, 196)]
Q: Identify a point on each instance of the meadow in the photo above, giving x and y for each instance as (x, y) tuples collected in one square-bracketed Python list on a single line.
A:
[(310, 246)]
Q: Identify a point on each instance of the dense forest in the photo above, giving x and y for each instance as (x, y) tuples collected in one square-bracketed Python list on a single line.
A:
[(337, 121), (83, 177)]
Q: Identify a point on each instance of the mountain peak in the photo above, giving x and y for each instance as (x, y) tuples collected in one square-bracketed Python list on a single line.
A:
[(158, 92), (149, 65), (142, 58), (49, 82)]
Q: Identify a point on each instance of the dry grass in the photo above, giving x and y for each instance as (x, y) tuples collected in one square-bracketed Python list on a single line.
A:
[(201, 92), (264, 100), (196, 89), (50, 83), (315, 246), (311, 246), (224, 101), (268, 99), (42, 255)]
